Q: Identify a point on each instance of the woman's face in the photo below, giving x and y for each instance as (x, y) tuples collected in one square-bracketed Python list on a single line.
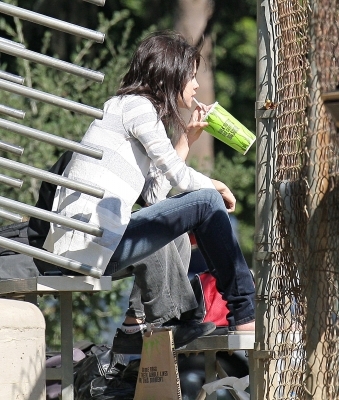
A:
[(189, 91)]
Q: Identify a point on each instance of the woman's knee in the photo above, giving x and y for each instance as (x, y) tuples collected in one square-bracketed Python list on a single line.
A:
[(211, 196)]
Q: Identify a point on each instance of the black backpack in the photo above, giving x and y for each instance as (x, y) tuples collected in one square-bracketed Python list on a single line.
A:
[(12, 264), (37, 228), (32, 232)]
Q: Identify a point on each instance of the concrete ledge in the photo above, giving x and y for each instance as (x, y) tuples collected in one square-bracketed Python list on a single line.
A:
[(22, 351)]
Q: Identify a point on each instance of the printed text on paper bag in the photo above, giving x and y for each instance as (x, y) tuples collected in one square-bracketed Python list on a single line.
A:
[(151, 375)]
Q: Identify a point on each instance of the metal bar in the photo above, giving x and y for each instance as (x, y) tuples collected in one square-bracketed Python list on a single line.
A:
[(53, 374), (51, 258), (99, 3), (251, 366), (16, 183), (210, 371), (31, 298), (265, 132), (51, 99), (222, 374), (51, 22), (201, 395), (51, 139), (18, 150), (12, 112), (12, 43), (10, 216), (319, 285), (66, 320), (50, 216), (11, 77), (52, 178), (52, 62)]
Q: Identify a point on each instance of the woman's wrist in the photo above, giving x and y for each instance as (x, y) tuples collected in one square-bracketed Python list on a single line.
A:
[(182, 147), (192, 137)]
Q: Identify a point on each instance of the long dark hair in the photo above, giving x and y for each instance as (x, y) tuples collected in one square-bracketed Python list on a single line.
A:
[(160, 68)]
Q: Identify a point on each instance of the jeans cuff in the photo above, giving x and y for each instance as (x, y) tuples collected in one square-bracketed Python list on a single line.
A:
[(241, 322)]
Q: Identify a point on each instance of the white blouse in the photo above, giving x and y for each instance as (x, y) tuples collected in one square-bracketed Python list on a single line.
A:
[(138, 158)]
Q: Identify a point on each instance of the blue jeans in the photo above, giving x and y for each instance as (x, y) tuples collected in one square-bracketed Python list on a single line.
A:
[(202, 211)]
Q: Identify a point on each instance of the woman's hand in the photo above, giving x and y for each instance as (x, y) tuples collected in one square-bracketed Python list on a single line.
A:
[(196, 124), (226, 194), (194, 129)]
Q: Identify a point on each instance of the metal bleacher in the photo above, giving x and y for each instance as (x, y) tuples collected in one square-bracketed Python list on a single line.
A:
[(15, 84), (14, 211)]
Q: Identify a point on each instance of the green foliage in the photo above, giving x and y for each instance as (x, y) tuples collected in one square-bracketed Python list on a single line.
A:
[(235, 60), (235, 49), (238, 172)]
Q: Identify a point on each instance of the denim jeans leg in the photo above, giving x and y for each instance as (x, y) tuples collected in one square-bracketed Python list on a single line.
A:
[(204, 212), (166, 295)]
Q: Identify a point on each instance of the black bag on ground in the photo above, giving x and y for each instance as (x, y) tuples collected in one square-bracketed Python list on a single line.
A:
[(105, 376), (81, 350)]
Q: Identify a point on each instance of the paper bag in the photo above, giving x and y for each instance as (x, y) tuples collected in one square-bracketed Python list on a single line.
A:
[(158, 377)]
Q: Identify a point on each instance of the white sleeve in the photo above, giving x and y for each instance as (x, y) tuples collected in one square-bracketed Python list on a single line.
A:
[(141, 120), (156, 187)]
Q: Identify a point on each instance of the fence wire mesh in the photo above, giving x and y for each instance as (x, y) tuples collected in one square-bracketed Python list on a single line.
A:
[(302, 334)]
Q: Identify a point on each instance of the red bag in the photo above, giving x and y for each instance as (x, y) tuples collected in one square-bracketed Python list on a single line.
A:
[(211, 306)]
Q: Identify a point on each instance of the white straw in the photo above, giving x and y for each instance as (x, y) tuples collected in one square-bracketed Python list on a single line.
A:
[(197, 102)]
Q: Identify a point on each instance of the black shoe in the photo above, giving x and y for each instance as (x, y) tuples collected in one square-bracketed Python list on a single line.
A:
[(187, 331), (127, 343), (184, 332), (220, 330)]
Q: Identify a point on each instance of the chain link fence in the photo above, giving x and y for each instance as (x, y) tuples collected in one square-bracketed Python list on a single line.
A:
[(297, 257)]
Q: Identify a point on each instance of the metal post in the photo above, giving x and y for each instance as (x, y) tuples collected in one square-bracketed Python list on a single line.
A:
[(210, 368), (319, 286), (67, 392), (264, 195)]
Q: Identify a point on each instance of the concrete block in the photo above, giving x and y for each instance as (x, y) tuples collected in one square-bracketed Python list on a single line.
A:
[(22, 351)]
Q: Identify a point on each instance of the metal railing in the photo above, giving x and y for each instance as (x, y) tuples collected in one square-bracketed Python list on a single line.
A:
[(13, 210)]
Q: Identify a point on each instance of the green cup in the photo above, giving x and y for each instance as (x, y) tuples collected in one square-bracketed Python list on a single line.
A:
[(223, 126)]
